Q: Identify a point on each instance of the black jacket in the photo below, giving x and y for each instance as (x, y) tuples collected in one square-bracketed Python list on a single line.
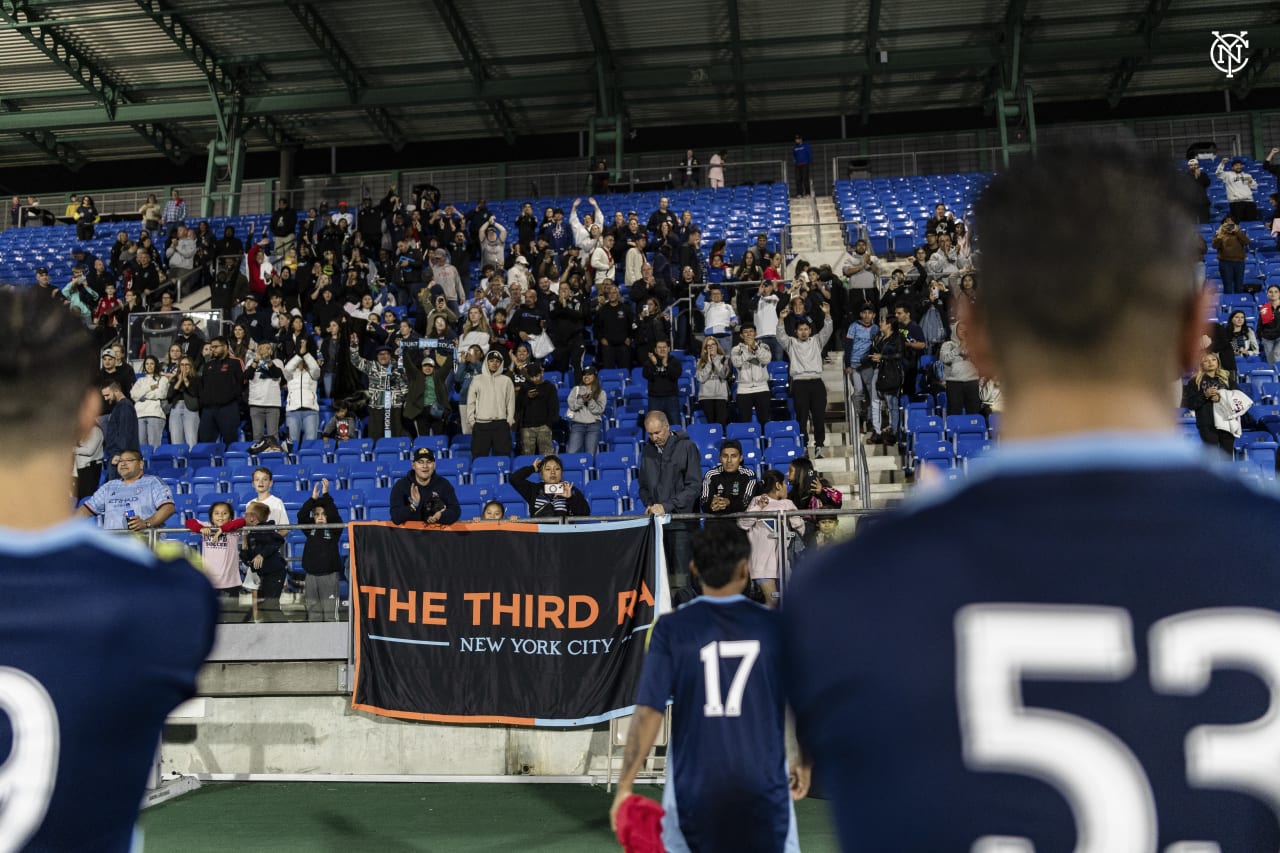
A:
[(437, 493), (614, 323), (567, 321), (267, 544), (663, 377), (320, 555), (536, 405), (221, 381), (284, 222)]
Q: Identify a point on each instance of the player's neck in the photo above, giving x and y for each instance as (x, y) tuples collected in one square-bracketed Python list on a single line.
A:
[(1052, 410), (26, 508)]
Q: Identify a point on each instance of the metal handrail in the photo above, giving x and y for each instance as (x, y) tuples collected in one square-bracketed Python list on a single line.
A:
[(859, 448)]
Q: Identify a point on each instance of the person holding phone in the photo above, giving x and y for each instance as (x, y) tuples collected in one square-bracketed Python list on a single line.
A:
[(553, 496)]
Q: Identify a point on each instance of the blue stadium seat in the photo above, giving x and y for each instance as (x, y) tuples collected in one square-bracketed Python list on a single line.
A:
[(490, 470)]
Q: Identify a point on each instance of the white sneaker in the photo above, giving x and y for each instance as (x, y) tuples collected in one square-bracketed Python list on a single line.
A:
[(817, 453)]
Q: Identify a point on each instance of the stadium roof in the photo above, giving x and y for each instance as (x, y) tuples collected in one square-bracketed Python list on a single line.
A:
[(84, 80)]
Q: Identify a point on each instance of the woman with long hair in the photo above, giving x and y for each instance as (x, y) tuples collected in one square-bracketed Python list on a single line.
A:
[(86, 218), (149, 393), (475, 329), (586, 407), (184, 404), (809, 491), (1201, 393), (151, 212), (240, 343), (290, 338), (749, 269), (1243, 341), (713, 382)]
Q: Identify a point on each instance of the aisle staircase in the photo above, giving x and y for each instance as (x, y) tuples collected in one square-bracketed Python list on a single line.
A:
[(887, 484)]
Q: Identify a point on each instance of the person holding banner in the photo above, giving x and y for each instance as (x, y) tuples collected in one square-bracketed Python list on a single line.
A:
[(422, 496), (720, 659)]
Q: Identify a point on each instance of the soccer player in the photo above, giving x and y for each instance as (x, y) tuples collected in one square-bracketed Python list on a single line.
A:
[(1082, 652), (719, 656), (99, 637)]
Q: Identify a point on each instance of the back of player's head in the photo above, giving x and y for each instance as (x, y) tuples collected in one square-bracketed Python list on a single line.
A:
[(718, 551), (1088, 257), (48, 363)]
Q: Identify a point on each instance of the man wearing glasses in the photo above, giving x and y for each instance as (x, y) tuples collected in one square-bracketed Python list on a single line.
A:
[(136, 501)]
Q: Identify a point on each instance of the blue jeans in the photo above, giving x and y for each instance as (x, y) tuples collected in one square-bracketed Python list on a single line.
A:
[(303, 425), (184, 424), (669, 406), (150, 431), (1232, 273), (326, 382), (584, 438)]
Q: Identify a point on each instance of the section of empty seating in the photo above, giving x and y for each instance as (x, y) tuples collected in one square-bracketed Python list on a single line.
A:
[(895, 210), (361, 471)]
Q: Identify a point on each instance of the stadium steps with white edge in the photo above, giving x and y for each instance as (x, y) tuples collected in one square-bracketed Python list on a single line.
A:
[(839, 462)]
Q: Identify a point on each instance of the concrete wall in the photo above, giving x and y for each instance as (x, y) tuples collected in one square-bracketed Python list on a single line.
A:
[(289, 718)]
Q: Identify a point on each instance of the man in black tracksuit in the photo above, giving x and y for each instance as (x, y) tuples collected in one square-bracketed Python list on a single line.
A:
[(221, 384), (568, 319), (614, 326), (727, 488)]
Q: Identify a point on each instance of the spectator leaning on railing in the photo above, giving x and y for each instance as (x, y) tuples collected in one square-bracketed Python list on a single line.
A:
[(423, 496)]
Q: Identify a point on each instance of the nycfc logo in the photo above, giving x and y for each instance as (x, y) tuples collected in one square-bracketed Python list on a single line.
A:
[(1227, 52)]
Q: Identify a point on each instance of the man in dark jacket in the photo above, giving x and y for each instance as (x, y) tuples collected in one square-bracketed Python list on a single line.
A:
[(670, 482), (568, 319), (614, 326), (537, 409), (422, 496), (221, 384), (426, 400), (121, 432), (284, 226)]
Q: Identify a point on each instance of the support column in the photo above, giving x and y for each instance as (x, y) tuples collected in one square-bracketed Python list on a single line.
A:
[(288, 175)]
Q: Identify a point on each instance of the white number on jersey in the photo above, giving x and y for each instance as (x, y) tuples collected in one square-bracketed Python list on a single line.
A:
[(28, 774), (997, 645), (710, 654)]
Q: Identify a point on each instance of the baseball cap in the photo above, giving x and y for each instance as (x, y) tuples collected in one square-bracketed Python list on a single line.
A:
[(590, 368), (42, 270), (493, 354), (382, 349), (424, 453), (1193, 161), (520, 259)]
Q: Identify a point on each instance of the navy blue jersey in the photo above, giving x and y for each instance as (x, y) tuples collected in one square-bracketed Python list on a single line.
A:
[(99, 640), (1066, 650), (720, 659)]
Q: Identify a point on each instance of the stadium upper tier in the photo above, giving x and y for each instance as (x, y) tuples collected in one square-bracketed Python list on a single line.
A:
[(734, 214)]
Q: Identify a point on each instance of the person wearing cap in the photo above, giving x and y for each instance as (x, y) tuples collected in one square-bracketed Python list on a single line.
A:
[(113, 371), (1200, 189), (423, 496), (43, 280), (537, 408), (519, 272), (493, 248), (387, 385), (426, 401), (491, 408), (342, 214), (147, 277)]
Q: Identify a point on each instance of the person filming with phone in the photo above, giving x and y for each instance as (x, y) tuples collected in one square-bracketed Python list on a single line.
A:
[(553, 496)]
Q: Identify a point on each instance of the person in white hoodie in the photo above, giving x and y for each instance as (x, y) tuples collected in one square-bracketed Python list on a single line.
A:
[(1240, 186), (302, 402), (149, 393), (766, 317), (751, 359), (264, 373), (586, 237), (491, 408)]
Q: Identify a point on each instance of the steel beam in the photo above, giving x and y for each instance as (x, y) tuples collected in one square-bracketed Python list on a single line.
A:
[(109, 92), (872, 54), (670, 78), (457, 29), (65, 154), (1127, 67), (346, 69), (739, 84), (1253, 72), (612, 86)]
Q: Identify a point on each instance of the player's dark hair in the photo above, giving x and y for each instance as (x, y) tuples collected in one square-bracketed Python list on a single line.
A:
[(1129, 212), (718, 550), (48, 362)]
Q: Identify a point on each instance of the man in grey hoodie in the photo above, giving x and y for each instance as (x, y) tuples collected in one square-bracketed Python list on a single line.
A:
[(807, 388)]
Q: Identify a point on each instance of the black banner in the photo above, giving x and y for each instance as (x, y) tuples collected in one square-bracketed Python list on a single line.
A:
[(502, 623)]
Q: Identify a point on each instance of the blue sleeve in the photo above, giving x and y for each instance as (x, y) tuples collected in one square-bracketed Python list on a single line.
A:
[(657, 681), (159, 493), (97, 502)]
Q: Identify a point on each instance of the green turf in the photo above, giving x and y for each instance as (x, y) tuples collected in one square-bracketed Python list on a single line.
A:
[(405, 818)]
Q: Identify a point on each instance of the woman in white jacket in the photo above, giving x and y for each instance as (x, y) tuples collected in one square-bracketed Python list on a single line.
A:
[(713, 382), (149, 395), (302, 403), (264, 373)]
